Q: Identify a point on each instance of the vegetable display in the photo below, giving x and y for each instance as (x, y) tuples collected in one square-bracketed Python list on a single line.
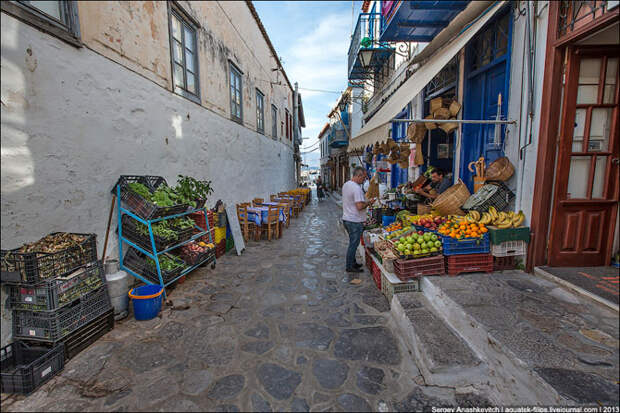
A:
[(166, 229), (53, 243), (166, 264), (187, 191)]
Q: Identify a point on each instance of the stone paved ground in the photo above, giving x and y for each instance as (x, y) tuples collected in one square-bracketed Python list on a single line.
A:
[(277, 328)]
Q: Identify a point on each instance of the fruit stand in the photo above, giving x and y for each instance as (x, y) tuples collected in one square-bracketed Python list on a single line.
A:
[(462, 233)]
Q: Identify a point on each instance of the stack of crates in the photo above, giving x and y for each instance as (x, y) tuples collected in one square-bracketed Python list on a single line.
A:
[(506, 245), (220, 234), (59, 301), (467, 255)]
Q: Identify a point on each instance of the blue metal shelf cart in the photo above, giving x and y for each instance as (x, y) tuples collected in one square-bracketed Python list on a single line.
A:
[(153, 253)]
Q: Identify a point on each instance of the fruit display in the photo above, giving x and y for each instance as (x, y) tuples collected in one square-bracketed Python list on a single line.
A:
[(398, 233), (417, 245), (459, 228), (194, 252), (429, 222), (394, 227), (501, 220)]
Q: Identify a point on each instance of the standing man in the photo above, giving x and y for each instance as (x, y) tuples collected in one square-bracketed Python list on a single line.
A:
[(354, 206)]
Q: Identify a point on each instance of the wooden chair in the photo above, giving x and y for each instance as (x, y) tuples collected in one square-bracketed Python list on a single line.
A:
[(271, 226), (257, 201), (287, 212), (247, 227)]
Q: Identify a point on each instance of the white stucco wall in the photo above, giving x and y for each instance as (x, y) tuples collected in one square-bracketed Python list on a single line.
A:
[(73, 121), (522, 182)]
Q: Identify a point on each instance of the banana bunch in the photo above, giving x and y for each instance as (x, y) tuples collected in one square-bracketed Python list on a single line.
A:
[(473, 217), (504, 219)]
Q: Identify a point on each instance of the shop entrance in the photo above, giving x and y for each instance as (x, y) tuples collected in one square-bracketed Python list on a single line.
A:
[(487, 60), (586, 184)]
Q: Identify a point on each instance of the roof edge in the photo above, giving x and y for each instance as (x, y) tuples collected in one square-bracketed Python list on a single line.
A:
[(267, 39)]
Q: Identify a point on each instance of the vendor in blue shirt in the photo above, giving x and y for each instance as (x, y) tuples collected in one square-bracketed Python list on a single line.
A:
[(439, 182)]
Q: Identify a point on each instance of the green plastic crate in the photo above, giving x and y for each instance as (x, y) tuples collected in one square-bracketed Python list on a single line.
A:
[(498, 236)]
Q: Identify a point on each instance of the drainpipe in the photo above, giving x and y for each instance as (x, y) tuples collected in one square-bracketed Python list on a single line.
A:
[(296, 129)]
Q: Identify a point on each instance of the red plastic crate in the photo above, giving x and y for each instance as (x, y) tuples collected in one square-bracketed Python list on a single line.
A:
[(376, 274), (457, 264), (199, 219), (220, 248), (504, 263), (407, 269), (368, 259)]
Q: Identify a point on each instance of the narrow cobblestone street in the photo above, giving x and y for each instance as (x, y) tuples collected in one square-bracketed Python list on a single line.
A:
[(278, 328)]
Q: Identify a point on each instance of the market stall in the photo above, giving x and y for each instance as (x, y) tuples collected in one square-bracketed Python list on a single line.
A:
[(459, 233)]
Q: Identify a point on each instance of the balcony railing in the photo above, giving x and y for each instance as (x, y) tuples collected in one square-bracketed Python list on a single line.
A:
[(366, 36), (338, 138)]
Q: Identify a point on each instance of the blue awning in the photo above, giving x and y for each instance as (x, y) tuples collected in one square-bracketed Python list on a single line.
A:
[(418, 21)]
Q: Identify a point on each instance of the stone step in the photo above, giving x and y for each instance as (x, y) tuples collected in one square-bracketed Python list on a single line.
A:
[(443, 357), (541, 344)]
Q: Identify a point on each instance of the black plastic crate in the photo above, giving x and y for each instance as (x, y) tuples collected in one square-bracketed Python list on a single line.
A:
[(204, 258), (54, 325), (500, 199), (34, 267), (24, 367), (140, 206), (131, 232), (58, 292), (138, 262)]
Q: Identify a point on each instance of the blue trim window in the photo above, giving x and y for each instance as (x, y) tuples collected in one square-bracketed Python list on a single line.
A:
[(260, 111), (491, 44), (236, 109), (184, 56)]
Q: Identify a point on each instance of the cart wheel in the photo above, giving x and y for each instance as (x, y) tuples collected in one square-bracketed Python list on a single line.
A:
[(213, 266)]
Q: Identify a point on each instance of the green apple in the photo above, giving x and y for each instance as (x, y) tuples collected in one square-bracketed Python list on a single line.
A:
[(434, 249), (438, 244), (407, 252), (416, 246), (424, 251)]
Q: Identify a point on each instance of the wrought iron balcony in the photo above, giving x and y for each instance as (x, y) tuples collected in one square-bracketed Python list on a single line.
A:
[(366, 53)]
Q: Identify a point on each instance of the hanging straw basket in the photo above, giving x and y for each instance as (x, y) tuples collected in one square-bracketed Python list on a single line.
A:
[(454, 108), (499, 170), (441, 113), (430, 125), (449, 126), (449, 202), (436, 104)]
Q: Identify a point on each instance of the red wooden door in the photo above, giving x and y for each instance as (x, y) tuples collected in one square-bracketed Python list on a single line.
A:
[(586, 183)]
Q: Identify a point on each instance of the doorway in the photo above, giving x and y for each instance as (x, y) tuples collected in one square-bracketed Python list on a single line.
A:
[(586, 180)]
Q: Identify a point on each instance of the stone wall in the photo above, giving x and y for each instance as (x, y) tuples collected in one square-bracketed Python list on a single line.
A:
[(74, 120)]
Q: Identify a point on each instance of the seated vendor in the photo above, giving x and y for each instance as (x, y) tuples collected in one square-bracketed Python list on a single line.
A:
[(439, 182)]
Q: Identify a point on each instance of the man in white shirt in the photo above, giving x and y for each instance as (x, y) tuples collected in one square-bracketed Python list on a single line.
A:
[(354, 206)]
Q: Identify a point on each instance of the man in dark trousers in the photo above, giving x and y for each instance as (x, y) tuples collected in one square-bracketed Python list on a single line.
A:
[(354, 206)]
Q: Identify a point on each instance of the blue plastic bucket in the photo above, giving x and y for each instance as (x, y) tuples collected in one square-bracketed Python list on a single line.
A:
[(387, 220), (146, 301)]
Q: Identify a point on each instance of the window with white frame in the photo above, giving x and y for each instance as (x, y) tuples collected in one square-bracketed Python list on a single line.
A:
[(260, 111), (236, 109), (184, 56)]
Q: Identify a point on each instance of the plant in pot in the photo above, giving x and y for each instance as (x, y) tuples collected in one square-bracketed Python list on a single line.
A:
[(193, 191)]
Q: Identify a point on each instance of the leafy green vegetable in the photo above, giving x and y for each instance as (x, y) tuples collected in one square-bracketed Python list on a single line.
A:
[(140, 189), (190, 189), (166, 264)]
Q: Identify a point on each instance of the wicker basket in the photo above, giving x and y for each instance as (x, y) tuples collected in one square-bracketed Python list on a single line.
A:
[(441, 113), (449, 126), (449, 202), (430, 125), (499, 170), (423, 209), (454, 108)]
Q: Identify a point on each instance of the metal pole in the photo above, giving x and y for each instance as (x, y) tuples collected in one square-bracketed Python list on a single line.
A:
[(490, 122)]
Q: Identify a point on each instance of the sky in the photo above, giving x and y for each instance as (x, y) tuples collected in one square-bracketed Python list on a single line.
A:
[(312, 38)]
